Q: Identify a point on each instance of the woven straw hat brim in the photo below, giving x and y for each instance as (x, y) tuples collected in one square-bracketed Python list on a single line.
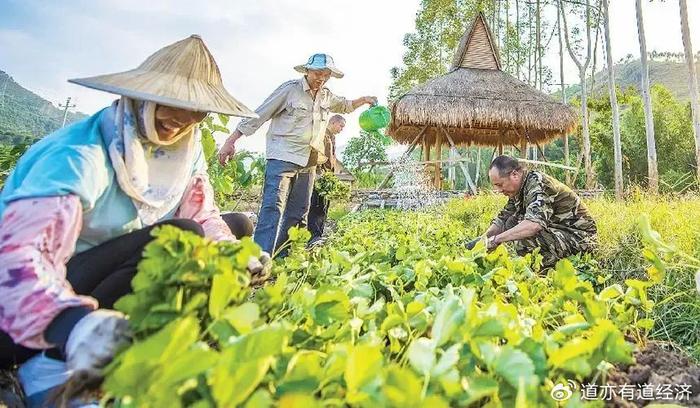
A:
[(158, 87), (182, 75), (335, 73)]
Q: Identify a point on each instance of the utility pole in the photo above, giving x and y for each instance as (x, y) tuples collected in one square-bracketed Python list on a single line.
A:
[(65, 110)]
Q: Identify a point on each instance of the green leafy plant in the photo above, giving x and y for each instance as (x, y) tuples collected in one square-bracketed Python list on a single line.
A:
[(393, 311), (243, 171), (330, 187)]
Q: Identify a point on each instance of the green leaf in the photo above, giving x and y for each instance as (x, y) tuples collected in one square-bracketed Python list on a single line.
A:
[(538, 356), (646, 324), (223, 119), (298, 401), (232, 381), (221, 288), (611, 292), (330, 305), (304, 373), (449, 317), (242, 317), (577, 365), (479, 387), (491, 327), (260, 399), (513, 364), (421, 355), (208, 144), (363, 371), (447, 360), (188, 365), (263, 342), (401, 388)]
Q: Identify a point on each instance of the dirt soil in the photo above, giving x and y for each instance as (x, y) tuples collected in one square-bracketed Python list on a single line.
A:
[(663, 368)]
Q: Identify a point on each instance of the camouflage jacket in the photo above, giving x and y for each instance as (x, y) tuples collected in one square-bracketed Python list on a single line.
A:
[(549, 203)]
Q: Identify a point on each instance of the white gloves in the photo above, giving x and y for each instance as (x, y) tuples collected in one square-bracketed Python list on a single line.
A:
[(95, 339), (259, 268)]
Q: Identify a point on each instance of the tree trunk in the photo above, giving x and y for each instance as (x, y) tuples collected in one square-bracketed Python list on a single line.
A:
[(497, 27), (590, 178), (517, 29), (538, 45), (582, 69), (692, 81), (563, 93), (653, 171), (505, 36), (617, 144), (595, 52), (529, 44)]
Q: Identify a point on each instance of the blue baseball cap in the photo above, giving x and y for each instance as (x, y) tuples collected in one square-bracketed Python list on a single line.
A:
[(319, 62)]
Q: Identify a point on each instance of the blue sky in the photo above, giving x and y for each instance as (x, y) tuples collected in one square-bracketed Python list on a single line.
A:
[(256, 43)]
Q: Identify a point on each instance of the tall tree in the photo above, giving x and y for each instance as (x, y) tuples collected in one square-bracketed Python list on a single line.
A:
[(563, 90), (582, 66), (652, 162), (617, 144), (692, 80), (538, 45)]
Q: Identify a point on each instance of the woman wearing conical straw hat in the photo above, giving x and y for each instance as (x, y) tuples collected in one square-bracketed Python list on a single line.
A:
[(77, 211)]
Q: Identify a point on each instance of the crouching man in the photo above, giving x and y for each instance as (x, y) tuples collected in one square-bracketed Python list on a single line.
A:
[(541, 213)]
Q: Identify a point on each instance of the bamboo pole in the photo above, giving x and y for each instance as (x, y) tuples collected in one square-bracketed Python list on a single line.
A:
[(462, 159)]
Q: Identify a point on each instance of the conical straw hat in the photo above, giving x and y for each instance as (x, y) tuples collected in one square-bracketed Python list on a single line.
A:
[(182, 75)]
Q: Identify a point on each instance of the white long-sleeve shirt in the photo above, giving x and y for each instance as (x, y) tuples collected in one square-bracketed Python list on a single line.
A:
[(298, 121)]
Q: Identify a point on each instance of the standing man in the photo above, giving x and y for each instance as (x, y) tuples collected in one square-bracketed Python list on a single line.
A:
[(541, 212), (298, 111), (318, 211)]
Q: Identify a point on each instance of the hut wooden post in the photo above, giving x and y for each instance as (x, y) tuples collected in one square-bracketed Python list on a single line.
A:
[(403, 156), (541, 150), (523, 148), (470, 183), (438, 160)]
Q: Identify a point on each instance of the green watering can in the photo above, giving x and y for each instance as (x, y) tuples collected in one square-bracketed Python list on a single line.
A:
[(375, 118)]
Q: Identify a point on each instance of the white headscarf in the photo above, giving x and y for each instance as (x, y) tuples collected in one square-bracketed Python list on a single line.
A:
[(152, 172)]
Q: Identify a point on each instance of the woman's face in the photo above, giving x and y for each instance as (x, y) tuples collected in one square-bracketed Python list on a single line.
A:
[(170, 121)]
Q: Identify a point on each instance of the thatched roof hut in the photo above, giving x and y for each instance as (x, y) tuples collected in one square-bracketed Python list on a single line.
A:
[(477, 103)]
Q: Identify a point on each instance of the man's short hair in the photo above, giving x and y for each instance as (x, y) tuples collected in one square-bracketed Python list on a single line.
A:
[(505, 165), (336, 118)]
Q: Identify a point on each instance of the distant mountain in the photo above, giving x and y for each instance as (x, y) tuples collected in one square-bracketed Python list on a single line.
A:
[(672, 75), (25, 116)]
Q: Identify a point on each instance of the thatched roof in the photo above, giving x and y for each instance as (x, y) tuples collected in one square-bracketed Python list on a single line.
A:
[(477, 103)]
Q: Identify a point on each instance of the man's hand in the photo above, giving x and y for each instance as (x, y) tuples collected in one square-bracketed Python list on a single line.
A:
[(229, 148), (492, 243), (95, 339), (370, 100)]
